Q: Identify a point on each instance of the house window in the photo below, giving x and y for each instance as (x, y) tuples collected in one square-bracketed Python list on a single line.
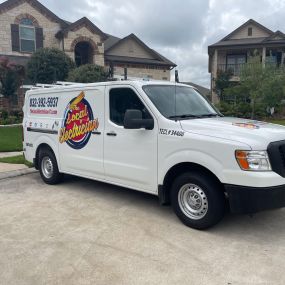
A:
[(235, 62), (27, 35), (249, 32)]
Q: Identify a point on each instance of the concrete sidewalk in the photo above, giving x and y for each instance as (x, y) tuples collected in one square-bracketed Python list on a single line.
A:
[(8, 167), (10, 154), (8, 170)]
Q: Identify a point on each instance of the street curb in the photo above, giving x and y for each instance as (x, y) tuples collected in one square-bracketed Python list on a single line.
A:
[(16, 173)]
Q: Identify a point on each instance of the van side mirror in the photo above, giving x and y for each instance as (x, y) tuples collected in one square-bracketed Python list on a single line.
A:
[(133, 120)]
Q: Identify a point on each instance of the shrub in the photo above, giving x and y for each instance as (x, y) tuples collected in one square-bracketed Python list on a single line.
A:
[(88, 73), (11, 76), (49, 65)]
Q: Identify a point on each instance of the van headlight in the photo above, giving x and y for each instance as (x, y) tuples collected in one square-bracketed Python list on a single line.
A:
[(253, 160)]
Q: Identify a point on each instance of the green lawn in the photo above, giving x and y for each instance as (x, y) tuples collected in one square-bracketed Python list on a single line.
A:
[(279, 122), (11, 139), (19, 159)]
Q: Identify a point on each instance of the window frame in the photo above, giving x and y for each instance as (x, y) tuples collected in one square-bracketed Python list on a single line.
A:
[(21, 38), (249, 31), (138, 96)]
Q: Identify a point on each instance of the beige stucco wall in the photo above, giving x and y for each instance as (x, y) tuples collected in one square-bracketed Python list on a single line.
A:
[(85, 32), (157, 74), (256, 33), (50, 28), (130, 48)]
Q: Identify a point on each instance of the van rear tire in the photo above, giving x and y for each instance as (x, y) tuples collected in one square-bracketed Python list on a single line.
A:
[(197, 200), (48, 167)]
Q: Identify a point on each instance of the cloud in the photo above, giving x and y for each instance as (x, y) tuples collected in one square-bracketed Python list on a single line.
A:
[(180, 30)]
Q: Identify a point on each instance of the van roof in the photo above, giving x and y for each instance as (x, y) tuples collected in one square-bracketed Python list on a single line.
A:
[(139, 83)]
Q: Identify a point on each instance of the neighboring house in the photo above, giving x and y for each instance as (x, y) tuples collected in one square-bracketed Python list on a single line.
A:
[(27, 25), (203, 90), (232, 52)]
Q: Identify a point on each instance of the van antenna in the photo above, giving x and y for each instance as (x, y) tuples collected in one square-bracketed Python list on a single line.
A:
[(125, 73), (175, 93)]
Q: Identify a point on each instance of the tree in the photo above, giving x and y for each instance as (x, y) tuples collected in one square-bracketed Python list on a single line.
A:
[(49, 65), (11, 76), (88, 73), (222, 82), (261, 86)]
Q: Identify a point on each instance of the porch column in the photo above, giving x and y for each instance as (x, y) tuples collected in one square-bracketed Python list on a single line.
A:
[(283, 58), (215, 98), (263, 56)]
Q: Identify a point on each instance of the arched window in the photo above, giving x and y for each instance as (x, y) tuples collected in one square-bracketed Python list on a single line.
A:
[(27, 35)]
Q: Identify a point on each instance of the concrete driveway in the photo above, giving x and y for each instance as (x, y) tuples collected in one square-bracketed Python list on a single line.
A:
[(85, 232)]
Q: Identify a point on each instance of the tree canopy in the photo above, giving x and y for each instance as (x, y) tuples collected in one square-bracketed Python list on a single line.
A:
[(11, 75), (88, 73), (49, 65)]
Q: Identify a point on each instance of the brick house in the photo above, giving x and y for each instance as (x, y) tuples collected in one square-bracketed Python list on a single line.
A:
[(27, 25), (232, 52)]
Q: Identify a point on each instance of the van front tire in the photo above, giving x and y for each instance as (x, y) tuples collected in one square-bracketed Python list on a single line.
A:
[(197, 200), (48, 167)]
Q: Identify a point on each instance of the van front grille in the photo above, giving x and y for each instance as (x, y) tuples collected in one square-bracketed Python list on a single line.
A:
[(276, 153)]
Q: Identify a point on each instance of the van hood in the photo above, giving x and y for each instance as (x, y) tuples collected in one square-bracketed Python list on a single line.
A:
[(255, 134)]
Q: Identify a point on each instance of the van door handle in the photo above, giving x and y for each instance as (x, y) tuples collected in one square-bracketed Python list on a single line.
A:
[(111, 134), (96, 133)]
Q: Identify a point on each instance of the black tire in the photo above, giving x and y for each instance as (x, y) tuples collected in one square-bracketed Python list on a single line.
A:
[(190, 193), (54, 176)]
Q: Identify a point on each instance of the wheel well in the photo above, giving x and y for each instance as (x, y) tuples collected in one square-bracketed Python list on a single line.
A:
[(41, 146), (175, 171)]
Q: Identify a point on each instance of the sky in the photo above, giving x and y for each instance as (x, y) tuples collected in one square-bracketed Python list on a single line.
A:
[(181, 30)]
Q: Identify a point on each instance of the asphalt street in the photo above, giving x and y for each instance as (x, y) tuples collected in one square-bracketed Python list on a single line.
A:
[(86, 232)]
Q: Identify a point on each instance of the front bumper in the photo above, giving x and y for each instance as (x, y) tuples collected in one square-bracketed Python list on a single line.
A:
[(248, 200)]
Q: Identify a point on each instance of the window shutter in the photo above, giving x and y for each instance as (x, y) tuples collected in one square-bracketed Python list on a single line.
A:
[(39, 38), (15, 37)]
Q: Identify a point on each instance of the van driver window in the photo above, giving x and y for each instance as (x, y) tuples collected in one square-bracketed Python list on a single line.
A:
[(123, 99)]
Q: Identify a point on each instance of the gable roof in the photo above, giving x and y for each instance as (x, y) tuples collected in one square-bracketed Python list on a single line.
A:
[(84, 22), (113, 42), (278, 34), (10, 4), (110, 41), (249, 22), (249, 41)]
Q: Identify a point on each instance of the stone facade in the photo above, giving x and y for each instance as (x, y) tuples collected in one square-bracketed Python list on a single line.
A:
[(50, 28), (140, 72), (84, 34)]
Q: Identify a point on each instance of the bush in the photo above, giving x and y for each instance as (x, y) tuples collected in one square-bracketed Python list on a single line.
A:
[(240, 110), (49, 65), (11, 76), (14, 117), (88, 73)]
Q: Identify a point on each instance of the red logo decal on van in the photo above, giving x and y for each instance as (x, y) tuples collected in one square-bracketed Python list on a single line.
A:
[(78, 123)]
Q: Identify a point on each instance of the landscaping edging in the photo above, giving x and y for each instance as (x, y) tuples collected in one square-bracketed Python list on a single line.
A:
[(13, 125), (16, 173)]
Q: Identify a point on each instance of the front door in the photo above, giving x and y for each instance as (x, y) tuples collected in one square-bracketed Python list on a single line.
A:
[(130, 156), (81, 133)]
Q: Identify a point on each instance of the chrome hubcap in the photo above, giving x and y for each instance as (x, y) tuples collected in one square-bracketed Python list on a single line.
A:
[(47, 167), (193, 201)]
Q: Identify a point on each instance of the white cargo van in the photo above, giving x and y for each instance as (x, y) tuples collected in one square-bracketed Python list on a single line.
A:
[(157, 137)]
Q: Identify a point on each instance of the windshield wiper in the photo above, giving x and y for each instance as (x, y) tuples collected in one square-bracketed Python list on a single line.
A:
[(184, 116), (209, 115)]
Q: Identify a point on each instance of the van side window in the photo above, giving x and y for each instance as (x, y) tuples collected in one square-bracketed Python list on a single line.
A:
[(123, 99)]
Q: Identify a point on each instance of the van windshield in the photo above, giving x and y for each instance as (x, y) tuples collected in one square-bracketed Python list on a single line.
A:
[(179, 102)]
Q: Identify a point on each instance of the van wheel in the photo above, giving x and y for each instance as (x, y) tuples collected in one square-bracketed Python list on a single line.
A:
[(197, 200), (48, 167)]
